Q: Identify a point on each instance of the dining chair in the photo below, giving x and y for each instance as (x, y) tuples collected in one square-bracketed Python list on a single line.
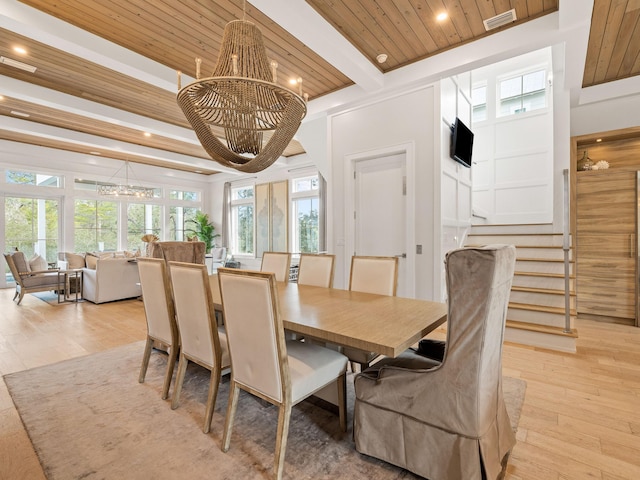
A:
[(201, 340), (160, 314), (457, 420), (266, 365), (369, 274), (316, 270), (278, 263)]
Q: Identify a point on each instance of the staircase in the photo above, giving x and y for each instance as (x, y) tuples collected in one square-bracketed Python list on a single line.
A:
[(536, 314)]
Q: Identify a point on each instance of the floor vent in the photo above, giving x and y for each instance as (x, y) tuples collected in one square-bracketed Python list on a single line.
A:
[(500, 20)]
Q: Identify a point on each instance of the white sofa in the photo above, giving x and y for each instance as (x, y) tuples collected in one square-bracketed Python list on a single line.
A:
[(112, 279)]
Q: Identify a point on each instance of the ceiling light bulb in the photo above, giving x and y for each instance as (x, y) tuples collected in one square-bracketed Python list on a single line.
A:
[(382, 58), (20, 50), (442, 16), (147, 134)]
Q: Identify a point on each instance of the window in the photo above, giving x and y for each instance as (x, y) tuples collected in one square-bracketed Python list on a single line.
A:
[(184, 195), (305, 203), (479, 103), (31, 226), (523, 93), (30, 178), (242, 220), (96, 226), (179, 218), (142, 219)]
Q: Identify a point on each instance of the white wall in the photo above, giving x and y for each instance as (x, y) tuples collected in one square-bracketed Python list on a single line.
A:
[(381, 124)]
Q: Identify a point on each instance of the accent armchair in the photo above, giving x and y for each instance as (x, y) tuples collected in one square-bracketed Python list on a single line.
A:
[(447, 420), (28, 281)]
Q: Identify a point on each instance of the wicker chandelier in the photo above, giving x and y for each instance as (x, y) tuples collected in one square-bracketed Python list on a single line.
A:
[(243, 99)]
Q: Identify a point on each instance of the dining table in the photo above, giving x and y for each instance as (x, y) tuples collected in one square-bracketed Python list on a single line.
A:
[(387, 325)]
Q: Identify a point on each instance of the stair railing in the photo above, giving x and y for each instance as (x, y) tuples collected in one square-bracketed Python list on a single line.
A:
[(566, 247)]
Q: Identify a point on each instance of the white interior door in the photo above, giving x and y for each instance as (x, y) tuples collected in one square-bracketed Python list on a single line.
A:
[(380, 211)]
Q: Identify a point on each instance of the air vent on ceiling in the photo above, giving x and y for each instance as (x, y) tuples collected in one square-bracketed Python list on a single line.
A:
[(15, 63), (500, 20)]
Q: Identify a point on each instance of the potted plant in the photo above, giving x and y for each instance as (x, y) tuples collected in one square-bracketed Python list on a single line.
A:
[(204, 230)]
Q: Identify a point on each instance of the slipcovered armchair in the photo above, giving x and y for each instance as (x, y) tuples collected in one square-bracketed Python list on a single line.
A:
[(447, 421), (28, 281)]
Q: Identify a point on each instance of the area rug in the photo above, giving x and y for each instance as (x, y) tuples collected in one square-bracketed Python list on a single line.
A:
[(89, 418)]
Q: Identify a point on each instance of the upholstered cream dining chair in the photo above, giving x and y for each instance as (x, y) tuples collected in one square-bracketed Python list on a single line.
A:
[(160, 314), (447, 420), (316, 270), (278, 263), (201, 340), (377, 275), (263, 363)]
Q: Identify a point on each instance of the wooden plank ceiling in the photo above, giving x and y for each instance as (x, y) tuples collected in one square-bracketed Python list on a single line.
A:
[(174, 32)]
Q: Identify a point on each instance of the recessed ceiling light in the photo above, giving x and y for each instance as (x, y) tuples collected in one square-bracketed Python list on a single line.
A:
[(442, 16), (1, 98), (598, 139), (95, 153), (382, 58), (198, 171), (147, 134), (20, 114), (20, 50)]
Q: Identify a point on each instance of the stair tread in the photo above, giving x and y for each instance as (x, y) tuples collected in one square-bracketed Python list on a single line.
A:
[(552, 291), (555, 247), (534, 327), (552, 260), (544, 274), (541, 308)]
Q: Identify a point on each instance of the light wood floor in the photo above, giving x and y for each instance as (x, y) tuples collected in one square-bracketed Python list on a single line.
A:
[(581, 417)]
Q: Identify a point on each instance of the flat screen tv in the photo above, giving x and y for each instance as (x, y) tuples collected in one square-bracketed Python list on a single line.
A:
[(461, 143)]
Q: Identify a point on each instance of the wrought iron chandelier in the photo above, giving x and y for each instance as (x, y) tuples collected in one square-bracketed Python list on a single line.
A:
[(259, 118), (126, 189)]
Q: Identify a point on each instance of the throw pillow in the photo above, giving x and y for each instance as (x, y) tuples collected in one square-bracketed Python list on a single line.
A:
[(21, 263), (92, 261), (37, 263), (74, 260)]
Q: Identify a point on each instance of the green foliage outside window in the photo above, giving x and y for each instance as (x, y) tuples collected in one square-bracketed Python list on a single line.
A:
[(96, 226)]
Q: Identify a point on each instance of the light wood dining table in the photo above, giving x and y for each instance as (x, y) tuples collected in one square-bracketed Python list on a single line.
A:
[(375, 323)]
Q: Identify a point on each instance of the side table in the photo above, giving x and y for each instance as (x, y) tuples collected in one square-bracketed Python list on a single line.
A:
[(69, 280)]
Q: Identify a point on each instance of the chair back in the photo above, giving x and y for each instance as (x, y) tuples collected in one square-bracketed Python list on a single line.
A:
[(158, 302), (278, 263), (195, 313), (219, 254), (374, 275), (188, 252), (316, 270), (478, 285), (255, 332), (15, 271)]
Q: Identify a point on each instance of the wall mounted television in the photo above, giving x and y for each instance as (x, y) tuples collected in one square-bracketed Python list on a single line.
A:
[(461, 143)]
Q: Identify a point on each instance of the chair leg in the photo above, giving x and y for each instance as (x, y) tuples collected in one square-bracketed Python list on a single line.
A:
[(145, 359), (234, 393), (211, 399), (173, 356), (182, 369), (21, 296), (342, 401), (284, 418), (17, 292)]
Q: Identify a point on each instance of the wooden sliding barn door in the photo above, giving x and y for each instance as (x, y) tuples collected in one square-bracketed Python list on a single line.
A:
[(606, 241)]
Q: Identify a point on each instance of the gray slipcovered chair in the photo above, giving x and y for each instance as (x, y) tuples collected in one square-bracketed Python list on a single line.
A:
[(28, 281), (448, 420)]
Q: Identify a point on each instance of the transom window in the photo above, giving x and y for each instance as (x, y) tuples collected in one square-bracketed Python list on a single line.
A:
[(523, 93)]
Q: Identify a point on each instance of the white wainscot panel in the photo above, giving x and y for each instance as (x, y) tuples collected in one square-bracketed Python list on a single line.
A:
[(448, 94), (464, 202), (483, 201), (481, 174), (530, 169), (482, 142), (522, 201), (449, 197), (522, 134)]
